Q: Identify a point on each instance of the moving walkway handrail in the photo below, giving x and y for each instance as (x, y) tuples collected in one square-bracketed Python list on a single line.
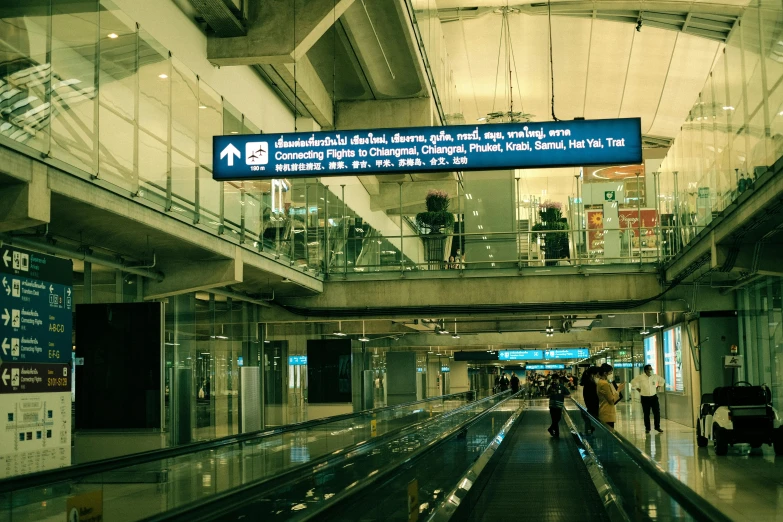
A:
[(695, 505), (43, 478), (219, 504)]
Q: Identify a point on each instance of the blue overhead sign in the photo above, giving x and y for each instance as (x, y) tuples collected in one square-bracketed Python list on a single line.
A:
[(520, 355), (567, 353), (545, 367), (428, 149), (36, 307)]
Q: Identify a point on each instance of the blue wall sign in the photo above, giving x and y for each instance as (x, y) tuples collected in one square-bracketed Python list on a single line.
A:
[(428, 149), (445, 369), (520, 355), (36, 315), (545, 367), (567, 353), (297, 360)]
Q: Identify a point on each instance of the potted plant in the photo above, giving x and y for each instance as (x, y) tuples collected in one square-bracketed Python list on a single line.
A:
[(437, 221), (555, 243)]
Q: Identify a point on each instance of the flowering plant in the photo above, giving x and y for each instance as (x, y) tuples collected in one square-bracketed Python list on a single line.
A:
[(549, 204), (437, 200)]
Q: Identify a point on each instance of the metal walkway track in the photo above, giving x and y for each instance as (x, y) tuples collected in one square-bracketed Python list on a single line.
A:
[(539, 477)]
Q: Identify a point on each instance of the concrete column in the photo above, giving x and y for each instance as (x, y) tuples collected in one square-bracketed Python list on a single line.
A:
[(401, 377), (459, 376), (24, 205)]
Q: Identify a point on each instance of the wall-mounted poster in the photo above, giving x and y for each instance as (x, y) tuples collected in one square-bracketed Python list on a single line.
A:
[(329, 371)]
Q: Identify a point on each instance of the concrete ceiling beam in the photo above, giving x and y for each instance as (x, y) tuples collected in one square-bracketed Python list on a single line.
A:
[(279, 31), (184, 277), (28, 203)]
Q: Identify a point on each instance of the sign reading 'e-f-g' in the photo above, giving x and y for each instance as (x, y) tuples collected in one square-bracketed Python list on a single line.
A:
[(428, 149)]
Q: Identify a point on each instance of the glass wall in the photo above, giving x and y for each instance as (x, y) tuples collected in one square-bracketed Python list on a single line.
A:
[(733, 132)]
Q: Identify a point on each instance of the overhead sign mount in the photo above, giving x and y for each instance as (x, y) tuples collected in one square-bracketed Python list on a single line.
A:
[(428, 149)]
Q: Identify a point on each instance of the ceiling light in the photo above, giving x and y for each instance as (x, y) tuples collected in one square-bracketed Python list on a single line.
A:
[(339, 332), (728, 108), (455, 336), (202, 106), (163, 76), (112, 35), (364, 338), (644, 331)]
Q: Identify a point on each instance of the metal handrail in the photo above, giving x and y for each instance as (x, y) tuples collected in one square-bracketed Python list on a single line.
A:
[(230, 499), (113, 464), (695, 505)]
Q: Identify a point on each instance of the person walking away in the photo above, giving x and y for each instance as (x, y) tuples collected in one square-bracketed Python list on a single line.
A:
[(557, 393), (514, 382), (608, 395), (648, 384), (590, 396), (504, 383)]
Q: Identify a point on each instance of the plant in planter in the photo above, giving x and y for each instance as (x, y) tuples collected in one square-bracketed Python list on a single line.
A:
[(555, 243), (437, 219)]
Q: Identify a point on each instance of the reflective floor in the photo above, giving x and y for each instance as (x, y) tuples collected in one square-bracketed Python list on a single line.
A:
[(745, 484)]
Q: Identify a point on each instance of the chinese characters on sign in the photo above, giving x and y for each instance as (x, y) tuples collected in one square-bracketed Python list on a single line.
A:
[(428, 149)]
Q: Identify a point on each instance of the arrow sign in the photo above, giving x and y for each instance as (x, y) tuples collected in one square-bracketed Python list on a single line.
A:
[(5, 376), (230, 151), (51, 289), (5, 346), (6, 258), (7, 288), (68, 291), (5, 317)]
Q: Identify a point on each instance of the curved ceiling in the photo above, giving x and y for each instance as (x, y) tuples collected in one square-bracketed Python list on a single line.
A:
[(602, 69)]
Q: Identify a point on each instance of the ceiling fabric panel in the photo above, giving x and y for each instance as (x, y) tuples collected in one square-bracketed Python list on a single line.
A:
[(647, 74), (571, 50), (611, 46), (690, 66)]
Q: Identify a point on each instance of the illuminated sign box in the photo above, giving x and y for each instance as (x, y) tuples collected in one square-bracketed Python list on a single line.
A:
[(545, 367), (520, 355), (428, 149), (568, 353), (445, 369), (626, 365), (297, 360)]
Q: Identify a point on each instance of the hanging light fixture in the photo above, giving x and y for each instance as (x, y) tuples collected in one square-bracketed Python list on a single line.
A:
[(644, 331), (339, 332), (508, 60), (364, 338), (550, 332), (266, 333), (658, 325), (456, 335)]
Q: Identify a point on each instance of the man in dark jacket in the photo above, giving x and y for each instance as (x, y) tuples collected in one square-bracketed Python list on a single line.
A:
[(514, 382)]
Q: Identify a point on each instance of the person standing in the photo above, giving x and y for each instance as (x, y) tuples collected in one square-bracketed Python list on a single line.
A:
[(590, 395), (504, 382), (514, 382), (557, 393), (608, 395), (648, 384)]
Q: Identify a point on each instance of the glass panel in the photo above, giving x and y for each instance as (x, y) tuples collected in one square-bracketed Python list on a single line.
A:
[(117, 98), (74, 58), (154, 118), (184, 134), (25, 75), (210, 123)]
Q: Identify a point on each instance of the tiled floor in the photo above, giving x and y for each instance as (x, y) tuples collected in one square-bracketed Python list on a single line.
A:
[(745, 485)]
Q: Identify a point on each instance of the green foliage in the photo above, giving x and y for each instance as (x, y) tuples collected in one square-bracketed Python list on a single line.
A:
[(555, 243), (436, 222)]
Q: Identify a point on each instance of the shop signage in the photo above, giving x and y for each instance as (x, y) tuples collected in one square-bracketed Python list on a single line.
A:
[(297, 360), (428, 149), (545, 367), (568, 353), (520, 355), (35, 314), (629, 222)]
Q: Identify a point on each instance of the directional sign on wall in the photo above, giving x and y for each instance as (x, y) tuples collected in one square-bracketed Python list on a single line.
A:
[(35, 313), (428, 149)]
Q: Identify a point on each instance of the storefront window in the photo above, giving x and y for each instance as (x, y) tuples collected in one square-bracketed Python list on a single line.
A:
[(672, 359), (651, 352)]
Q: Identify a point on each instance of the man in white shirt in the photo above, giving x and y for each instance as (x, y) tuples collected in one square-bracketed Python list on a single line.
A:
[(648, 384)]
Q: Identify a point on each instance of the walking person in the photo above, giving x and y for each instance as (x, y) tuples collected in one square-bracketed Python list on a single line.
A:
[(608, 395), (590, 396), (504, 383), (514, 382), (557, 393), (648, 385)]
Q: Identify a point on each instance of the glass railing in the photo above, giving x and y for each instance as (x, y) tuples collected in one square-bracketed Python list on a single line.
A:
[(306, 492), (146, 484), (642, 489)]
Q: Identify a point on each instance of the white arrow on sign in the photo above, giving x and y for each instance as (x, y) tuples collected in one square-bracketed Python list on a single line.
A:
[(7, 288), (68, 291), (5, 317), (5, 346), (51, 289), (6, 258), (230, 151), (5, 376)]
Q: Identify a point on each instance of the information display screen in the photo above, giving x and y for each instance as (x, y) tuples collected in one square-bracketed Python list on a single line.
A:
[(297, 360), (567, 353), (545, 367), (520, 355), (428, 149)]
